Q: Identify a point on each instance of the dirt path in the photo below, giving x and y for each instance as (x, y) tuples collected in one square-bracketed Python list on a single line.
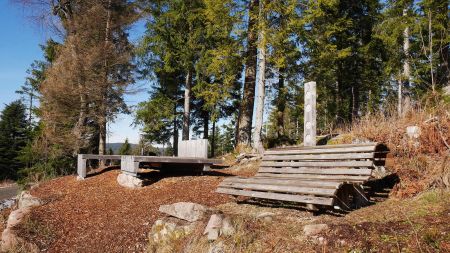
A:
[(98, 215), (7, 192)]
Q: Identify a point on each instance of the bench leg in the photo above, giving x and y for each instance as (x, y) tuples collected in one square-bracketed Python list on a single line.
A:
[(81, 167), (360, 197)]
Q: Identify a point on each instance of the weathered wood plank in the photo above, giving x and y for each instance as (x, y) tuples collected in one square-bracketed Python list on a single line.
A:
[(284, 181), (366, 172), (324, 146), (101, 157), (309, 117), (322, 150), (339, 178), (170, 159), (193, 148), (349, 156), (278, 196), (81, 166), (280, 188), (318, 164)]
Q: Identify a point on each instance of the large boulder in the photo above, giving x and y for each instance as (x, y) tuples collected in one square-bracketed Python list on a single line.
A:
[(165, 234), (164, 231), (184, 210), (129, 181), (10, 241), (26, 200)]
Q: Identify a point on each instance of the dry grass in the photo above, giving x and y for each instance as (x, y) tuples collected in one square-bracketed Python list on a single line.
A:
[(421, 163)]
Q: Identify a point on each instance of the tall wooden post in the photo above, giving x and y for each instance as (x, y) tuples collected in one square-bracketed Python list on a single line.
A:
[(309, 133)]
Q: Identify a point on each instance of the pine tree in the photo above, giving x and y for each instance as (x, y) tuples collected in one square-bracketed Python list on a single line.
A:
[(98, 54), (13, 138), (343, 56), (125, 149)]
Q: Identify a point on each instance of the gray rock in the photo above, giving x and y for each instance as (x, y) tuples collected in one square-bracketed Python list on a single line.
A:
[(164, 231), (129, 181), (314, 229), (446, 90), (16, 216), (227, 228), (184, 210), (7, 203), (212, 229), (218, 225), (266, 216), (26, 200), (413, 132), (10, 240)]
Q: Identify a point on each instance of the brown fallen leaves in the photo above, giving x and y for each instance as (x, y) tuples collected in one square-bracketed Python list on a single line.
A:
[(98, 215)]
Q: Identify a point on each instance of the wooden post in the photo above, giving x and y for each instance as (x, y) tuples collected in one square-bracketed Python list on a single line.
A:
[(309, 135), (81, 167)]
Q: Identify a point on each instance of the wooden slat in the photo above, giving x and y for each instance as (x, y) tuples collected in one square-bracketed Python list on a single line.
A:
[(170, 159), (105, 157), (323, 150), (339, 178), (326, 146), (366, 172), (318, 164), (291, 181), (349, 156), (280, 188), (278, 196)]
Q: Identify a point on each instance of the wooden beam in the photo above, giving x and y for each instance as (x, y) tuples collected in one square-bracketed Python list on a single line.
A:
[(170, 159), (365, 172), (322, 150), (348, 156), (337, 178), (318, 164), (309, 136), (280, 188), (278, 196), (287, 181), (324, 146)]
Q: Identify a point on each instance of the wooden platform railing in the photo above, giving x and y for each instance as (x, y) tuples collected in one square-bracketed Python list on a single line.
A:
[(318, 175)]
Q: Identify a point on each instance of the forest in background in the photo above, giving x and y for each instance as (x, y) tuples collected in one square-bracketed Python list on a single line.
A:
[(216, 68)]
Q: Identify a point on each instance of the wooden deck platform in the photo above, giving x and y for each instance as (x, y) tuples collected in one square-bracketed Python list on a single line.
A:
[(318, 176)]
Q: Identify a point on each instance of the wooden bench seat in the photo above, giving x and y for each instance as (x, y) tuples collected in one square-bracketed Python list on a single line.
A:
[(319, 175)]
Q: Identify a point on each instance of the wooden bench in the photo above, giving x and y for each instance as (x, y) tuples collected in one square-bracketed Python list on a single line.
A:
[(318, 176), (191, 153)]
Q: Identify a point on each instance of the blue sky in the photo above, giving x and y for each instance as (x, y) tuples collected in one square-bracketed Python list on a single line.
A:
[(19, 47)]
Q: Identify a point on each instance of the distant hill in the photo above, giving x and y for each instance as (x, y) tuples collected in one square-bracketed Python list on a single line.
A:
[(116, 146)]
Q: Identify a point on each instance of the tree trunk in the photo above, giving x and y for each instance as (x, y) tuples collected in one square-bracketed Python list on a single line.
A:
[(213, 140), (406, 66), (246, 108), (104, 92), (430, 41), (257, 143), (187, 105), (281, 104), (400, 98), (175, 132), (205, 125)]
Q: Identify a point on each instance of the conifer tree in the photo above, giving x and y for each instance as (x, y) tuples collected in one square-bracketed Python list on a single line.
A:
[(13, 137)]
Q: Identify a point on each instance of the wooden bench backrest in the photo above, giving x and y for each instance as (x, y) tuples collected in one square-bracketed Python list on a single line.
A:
[(193, 148)]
